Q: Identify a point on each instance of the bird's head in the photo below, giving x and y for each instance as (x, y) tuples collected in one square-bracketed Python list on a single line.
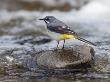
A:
[(48, 19)]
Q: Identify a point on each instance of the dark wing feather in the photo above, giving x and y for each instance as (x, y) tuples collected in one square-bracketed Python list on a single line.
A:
[(61, 29)]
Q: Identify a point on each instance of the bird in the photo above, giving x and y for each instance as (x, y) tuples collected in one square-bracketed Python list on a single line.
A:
[(58, 30)]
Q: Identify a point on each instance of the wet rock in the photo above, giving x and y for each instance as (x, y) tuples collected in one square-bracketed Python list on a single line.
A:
[(79, 56)]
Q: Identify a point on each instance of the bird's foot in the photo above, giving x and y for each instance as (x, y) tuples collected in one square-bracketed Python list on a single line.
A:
[(63, 46), (56, 49)]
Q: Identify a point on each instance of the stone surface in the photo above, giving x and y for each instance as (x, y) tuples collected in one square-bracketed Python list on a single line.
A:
[(79, 56)]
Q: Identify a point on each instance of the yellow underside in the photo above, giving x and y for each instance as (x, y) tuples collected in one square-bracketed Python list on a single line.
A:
[(66, 36)]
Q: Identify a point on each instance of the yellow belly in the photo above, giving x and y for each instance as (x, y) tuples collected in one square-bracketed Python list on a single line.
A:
[(66, 36), (58, 36)]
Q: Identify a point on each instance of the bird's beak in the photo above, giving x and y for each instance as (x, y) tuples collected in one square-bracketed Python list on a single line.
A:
[(41, 19)]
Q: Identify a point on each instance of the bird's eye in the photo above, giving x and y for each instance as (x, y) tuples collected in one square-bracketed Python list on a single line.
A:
[(47, 18)]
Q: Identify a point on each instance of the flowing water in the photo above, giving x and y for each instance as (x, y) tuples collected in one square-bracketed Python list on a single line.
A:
[(22, 34)]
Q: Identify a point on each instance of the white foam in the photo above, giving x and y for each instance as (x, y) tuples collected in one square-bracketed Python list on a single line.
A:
[(95, 10)]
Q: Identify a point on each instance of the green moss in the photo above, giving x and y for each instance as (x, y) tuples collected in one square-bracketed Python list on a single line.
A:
[(3, 71)]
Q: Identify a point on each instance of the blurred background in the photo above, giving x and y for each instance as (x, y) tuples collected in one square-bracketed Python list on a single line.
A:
[(20, 29), (16, 16), (42, 5), (23, 12)]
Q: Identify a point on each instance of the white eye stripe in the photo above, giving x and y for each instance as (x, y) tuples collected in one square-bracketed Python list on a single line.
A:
[(48, 22)]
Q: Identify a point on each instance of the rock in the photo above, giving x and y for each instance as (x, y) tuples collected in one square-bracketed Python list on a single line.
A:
[(79, 56)]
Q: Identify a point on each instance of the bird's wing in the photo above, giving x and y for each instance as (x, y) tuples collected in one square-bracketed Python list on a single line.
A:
[(67, 30), (61, 29)]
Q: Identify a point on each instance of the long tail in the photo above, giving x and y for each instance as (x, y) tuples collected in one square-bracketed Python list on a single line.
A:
[(83, 40)]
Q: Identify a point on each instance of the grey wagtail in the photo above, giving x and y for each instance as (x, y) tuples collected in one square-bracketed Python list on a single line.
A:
[(57, 30)]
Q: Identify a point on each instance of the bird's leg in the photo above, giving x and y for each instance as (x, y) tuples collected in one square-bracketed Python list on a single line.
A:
[(57, 44), (63, 45)]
